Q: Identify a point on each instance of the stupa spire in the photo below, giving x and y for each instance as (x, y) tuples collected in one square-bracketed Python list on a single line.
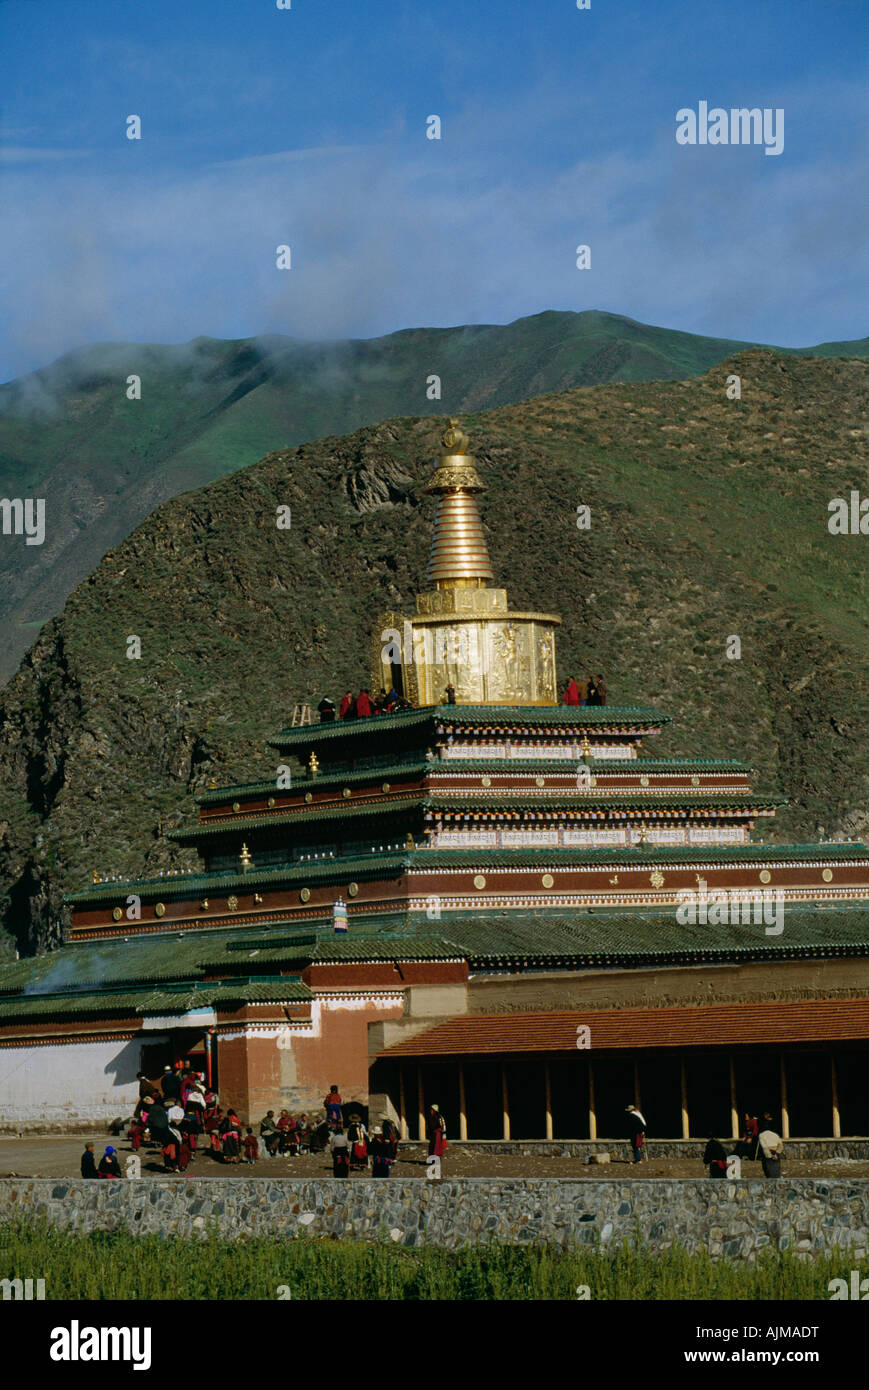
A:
[(459, 556)]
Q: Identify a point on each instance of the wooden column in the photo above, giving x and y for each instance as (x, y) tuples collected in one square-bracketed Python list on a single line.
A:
[(402, 1108), (834, 1081), (734, 1113), (592, 1113), (785, 1118), (683, 1080), (505, 1100), (463, 1115), (420, 1103), (548, 1089)]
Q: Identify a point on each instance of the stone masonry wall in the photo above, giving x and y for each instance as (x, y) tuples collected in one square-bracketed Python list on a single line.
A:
[(731, 1219)]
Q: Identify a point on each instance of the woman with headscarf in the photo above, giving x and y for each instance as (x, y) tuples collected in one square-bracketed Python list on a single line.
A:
[(636, 1131), (109, 1165), (381, 1154), (436, 1132)]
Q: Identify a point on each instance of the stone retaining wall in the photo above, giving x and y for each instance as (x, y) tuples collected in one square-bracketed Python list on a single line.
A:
[(620, 1150), (733, 1219)]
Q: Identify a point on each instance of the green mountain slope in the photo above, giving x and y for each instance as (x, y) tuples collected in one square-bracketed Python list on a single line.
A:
[(709, 520), (103, 463)]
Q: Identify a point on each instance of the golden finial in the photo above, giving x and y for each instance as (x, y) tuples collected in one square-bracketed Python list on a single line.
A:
[(95, 878), (244, 859), (644, 839), (410, 842), (454, 438), (212, 784), (585, 747), (313, 765)]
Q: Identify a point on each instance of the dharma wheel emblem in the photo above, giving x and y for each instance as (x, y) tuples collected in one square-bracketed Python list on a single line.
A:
[(305, 894), (117, 914), (309, 796), (547, 880), (236, 806), (764, 875), (352, 889), (656, 879), (159, 909), (827, 875), (270, 803), (232, 902), (479, 881)]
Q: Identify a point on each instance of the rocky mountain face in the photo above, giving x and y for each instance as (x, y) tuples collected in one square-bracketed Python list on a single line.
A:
[(708, 523), (102, 462)]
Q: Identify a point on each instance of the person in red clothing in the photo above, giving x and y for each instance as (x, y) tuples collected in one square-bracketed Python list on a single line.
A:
[(251, 1146), (346, 702), (436, 1132), (571, 692), (332, 1105), (363, 704)]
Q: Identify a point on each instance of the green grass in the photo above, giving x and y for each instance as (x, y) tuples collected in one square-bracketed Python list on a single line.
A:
[(106, 1265)]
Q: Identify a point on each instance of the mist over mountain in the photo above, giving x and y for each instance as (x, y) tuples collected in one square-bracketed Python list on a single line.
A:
[(103, 463), (708, 521)]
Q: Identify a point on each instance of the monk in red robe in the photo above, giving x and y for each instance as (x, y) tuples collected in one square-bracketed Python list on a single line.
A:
[(363, 705), (571, 692)]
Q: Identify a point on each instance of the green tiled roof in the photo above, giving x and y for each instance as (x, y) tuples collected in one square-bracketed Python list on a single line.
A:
[(489, 800), (544, 716), (190, 834), (55, 1007), (326, 778), (414, 767), (339, 870), (505, 940), (600, 939)]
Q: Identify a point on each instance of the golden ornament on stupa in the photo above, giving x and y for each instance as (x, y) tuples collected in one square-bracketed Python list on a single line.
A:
[(463, 636)]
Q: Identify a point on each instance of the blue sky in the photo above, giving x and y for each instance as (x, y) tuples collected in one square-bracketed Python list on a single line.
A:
[(307, 127)]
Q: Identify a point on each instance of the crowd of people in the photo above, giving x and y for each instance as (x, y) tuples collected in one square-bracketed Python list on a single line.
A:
[(760, 1140), (591, 691), (179, 1109), (179, 1115), (756, 1143), (361, 706)]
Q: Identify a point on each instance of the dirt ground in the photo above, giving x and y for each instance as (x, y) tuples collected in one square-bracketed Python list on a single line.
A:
[(57, 1156)]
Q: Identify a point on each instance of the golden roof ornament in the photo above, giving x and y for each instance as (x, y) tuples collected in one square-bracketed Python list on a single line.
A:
[(244, 859), (313, 765), (459, 553), (585, 747)]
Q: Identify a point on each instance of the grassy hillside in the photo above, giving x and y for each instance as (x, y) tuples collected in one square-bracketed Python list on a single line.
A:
[(709, 519), (103, 463)]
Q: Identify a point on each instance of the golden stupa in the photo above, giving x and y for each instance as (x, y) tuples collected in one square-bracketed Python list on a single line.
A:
[(463, 635)]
